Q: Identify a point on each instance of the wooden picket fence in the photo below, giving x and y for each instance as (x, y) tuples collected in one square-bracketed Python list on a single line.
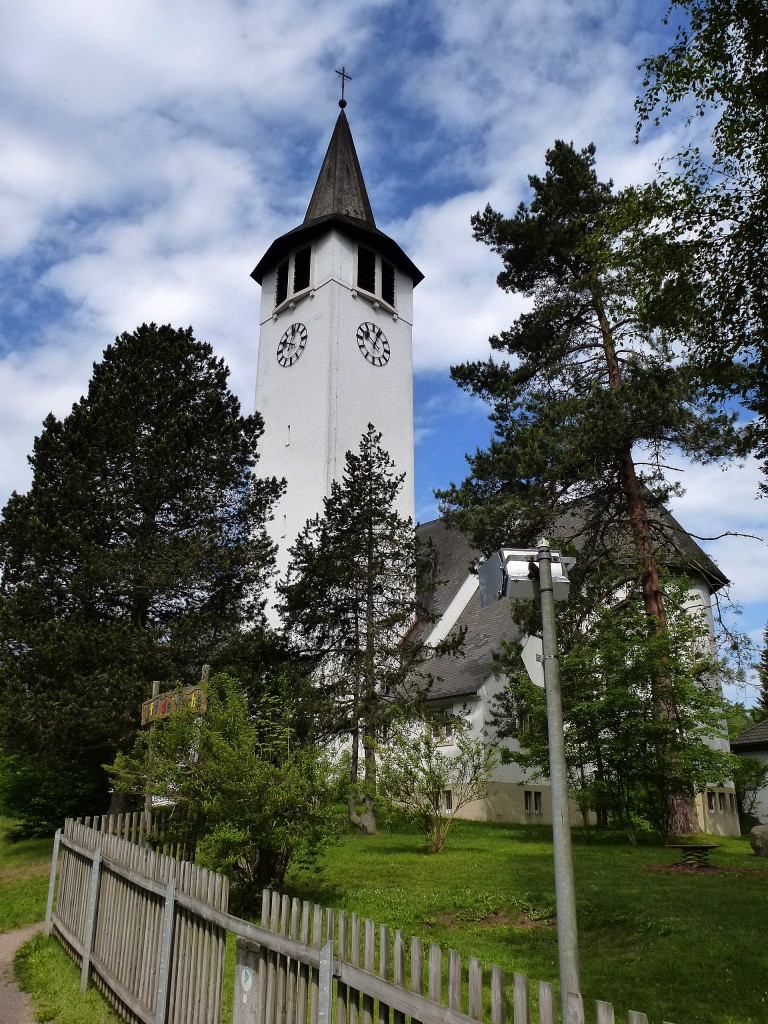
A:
[(151, 829), (121, 912), (381, 977), (151, 930)]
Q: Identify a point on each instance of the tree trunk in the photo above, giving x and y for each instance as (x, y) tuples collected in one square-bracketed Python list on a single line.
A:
[(119, 802), (679, 813)]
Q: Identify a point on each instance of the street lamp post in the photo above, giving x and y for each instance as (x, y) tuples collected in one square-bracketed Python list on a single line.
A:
[(565, 892), (520, 574)]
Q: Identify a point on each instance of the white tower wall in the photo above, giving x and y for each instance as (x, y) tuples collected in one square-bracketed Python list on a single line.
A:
[(318, 408)]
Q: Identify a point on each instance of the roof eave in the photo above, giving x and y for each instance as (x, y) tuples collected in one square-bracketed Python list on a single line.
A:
[(349, 226)]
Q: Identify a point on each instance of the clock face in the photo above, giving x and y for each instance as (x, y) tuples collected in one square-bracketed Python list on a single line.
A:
[(372, 342), (291, 345)]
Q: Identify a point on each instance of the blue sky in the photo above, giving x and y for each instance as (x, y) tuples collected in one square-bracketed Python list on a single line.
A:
[(154, 148)]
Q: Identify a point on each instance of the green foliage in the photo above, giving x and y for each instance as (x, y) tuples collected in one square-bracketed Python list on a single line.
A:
[(416, 773), (750, 775), (624, 756), (349, 604), (762, 674), (738, 718), (254, 798), (39, 792), (139, 548), (716, 198), (588, 374)]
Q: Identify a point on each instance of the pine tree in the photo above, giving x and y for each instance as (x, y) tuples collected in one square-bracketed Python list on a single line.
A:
[(138, 549), (591, 377), (762, 674), (349, 602)]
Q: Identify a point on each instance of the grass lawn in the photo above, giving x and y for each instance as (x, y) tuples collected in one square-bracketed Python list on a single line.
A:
[(24, 872), (688, 948)]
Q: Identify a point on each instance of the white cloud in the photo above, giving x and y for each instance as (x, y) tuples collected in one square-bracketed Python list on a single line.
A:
[(152, 150)]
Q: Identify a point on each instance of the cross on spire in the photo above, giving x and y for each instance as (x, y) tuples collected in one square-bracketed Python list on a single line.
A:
[(344, 79)]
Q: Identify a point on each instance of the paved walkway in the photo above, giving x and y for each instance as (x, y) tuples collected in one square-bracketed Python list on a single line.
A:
[(15, 1007)]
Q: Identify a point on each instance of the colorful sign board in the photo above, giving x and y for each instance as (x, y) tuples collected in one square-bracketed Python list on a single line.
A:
[(163, 704)]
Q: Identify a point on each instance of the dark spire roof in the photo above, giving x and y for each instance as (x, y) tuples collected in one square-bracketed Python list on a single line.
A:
[(340, 189), (339, 201)]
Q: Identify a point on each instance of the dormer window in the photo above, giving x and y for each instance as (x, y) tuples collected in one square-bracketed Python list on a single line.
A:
[(375, 275), (293, 275)]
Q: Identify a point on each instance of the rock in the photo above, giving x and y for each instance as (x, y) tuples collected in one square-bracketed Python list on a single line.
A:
[(758, 840)]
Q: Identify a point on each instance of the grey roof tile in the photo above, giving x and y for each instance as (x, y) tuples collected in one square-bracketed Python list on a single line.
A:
[(488, 627), (753, 738)]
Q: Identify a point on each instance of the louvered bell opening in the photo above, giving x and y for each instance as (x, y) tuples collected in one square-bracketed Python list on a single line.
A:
[(301, 262), (281, 289), (366, 270), (388, 282)]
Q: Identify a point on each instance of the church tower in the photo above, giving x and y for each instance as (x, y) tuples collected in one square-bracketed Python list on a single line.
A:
[(335, 349)]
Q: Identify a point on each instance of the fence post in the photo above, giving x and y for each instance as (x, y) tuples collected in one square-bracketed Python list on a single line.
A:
[(245, 1006), (90, 921), (52, 881), (164, 967), (575, 1005), (325, 985)]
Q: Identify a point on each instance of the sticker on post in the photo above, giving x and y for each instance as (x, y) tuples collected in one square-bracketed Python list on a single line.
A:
[(246, 981)]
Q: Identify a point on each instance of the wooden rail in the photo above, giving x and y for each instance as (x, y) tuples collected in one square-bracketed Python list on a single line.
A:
[(151, 930)]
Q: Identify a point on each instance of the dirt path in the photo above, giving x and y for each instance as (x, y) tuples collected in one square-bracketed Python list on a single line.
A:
[(15, 1007)]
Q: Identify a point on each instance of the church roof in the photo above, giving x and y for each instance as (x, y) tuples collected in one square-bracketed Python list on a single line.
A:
[(486, 628), (340, 189), (340, 201), (753, 738), (677, 547)]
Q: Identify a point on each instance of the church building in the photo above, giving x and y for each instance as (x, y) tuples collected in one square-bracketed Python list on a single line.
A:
[(335, 354)]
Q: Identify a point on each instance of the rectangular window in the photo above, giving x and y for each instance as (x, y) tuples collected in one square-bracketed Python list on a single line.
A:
[(533, 802), (443, 733), (375, 275), (388, 282), (281, 290), (301, 263), (732, 799), (366, 270), (448, 800), (710, 801), (721, 801)]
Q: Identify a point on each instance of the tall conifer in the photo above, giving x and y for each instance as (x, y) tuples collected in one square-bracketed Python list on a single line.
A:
[(591, 389), (138, 549), (350, 603)]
